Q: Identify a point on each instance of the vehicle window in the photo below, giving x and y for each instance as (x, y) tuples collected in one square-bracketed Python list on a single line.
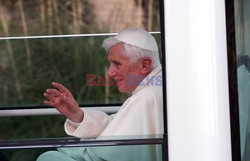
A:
[(140, 152), (47, 41), (29, 64)]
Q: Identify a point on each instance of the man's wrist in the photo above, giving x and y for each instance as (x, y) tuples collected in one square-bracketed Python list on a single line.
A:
[(78, 118)]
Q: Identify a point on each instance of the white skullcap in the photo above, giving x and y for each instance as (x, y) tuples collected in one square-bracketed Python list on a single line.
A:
[(138, 37)]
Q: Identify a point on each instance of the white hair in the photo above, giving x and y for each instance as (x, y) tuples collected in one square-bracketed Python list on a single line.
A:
[(133, 52)]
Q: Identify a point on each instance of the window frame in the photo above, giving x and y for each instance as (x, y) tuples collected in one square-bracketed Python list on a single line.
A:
[(233, 80), (73, 142)]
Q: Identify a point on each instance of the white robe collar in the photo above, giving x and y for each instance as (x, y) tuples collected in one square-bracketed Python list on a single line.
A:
[(156, 71)]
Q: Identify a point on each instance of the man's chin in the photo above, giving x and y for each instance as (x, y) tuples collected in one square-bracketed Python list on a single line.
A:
[(124, 90)]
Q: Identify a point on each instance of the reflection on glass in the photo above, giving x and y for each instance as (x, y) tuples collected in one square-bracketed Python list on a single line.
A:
[(68, 61), (28, 66), (242, 26), (26, 127), (99, 153), (142, 113), (55, 17)]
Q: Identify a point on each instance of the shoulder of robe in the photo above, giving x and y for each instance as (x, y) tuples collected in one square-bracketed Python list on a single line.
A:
[(149, 92), (148, 97)]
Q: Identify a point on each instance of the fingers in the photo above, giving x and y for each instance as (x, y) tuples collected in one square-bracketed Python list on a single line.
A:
[(49, 103), (60, 87), (58, 96), (50, 96), (53, 91), (53, 100)]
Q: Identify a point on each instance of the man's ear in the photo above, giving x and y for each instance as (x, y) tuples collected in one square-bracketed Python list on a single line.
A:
[(146, 64)]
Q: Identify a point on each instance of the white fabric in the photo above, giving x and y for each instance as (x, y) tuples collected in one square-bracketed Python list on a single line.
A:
[(141, 114), (92, 125), (141, 38)]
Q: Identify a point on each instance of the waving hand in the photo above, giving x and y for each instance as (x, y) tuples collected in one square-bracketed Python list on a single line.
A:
[(62, 99)]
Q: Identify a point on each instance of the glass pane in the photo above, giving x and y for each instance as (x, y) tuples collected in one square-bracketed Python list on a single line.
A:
[(56, 17), (25, 127), (29, 70), (242, 22), (98, 153), (28, 65)]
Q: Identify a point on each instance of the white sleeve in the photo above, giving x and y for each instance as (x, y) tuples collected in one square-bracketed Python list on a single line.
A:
[(92, 125), (142, 115)]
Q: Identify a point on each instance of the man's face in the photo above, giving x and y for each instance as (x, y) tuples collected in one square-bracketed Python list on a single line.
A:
[(121, 68)]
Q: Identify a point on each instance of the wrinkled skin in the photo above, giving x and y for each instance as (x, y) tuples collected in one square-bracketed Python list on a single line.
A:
[(62, 99), (120, 66)]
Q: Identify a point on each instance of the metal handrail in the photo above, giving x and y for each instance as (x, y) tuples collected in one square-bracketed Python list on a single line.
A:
[(64, 36), (50, 111), (74, 142)]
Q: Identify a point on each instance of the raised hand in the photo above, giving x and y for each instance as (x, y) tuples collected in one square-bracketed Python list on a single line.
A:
[(62, 99)]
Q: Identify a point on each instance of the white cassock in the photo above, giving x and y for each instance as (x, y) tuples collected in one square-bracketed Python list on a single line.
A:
[(140, 116)]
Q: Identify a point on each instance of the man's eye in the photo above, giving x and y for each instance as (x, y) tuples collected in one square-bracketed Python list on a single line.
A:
[(117, 63)]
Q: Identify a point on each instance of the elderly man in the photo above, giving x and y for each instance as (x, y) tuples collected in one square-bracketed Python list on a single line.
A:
[(135, 66)]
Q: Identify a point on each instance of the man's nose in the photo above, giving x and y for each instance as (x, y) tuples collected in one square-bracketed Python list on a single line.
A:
[(111, 72)]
